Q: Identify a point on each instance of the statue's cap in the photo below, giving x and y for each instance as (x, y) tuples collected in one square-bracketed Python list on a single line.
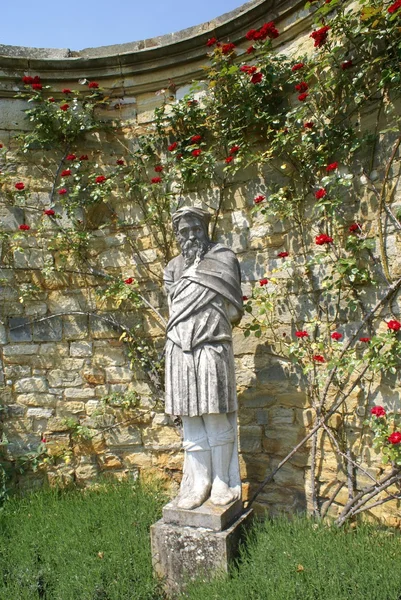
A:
[(203, 215)]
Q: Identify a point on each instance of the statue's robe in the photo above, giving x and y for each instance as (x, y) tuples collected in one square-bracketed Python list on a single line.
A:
[(204, 302)]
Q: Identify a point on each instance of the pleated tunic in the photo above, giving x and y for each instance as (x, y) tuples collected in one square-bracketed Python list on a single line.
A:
[(200, 372)]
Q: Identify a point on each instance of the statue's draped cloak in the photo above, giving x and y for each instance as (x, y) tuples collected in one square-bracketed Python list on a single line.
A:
[(200, 375)]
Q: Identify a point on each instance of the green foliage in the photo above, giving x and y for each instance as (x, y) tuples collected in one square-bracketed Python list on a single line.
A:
[(305, 560), (47, 538)]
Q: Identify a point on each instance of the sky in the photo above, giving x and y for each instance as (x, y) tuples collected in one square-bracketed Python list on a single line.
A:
[(90, 23)]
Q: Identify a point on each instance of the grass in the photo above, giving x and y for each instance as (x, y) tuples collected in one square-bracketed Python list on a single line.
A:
[(303, 560), (75, 545), (94, 545)]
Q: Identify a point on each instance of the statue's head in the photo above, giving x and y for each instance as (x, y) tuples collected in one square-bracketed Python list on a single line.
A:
[(191, 229)]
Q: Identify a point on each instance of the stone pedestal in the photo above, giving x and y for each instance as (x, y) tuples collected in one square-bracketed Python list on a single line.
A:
[(190, 544)]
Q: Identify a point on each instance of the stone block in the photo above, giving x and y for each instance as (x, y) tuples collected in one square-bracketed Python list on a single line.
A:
[(15, 410), (59, 378), (102, 330), (81, 349), (94, 376), (79, 392), (16, 350), (31, 384), (40, 413), (250, 439), (48, 331), (20, 329), (119, 375), (123, 436), (36, 399), (181, 554), (208, 516), (163, 438), (75, 327)]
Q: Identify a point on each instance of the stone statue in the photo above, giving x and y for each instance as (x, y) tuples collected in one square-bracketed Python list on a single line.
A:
[(204, 292)]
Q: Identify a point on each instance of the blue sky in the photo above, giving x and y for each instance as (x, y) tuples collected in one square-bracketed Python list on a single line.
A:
[(89, 23)]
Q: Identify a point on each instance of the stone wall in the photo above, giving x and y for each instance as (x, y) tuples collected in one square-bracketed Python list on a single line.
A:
[(61, 353)]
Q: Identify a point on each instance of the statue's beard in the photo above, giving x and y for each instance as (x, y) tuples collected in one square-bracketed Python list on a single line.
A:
[(193, 250)]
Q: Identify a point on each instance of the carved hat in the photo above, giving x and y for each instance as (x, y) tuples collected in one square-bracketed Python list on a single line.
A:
[(203, 215)]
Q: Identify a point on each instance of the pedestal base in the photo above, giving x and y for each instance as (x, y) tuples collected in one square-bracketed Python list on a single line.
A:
[(181, 553)]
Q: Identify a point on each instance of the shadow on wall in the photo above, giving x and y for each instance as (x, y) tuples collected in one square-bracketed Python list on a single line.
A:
[(272, 402)]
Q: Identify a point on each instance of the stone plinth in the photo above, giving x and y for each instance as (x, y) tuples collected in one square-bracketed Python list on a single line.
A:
[(208, 516), (181, 553)]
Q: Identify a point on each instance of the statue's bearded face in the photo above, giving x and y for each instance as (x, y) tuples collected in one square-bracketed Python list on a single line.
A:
[(193, 239)]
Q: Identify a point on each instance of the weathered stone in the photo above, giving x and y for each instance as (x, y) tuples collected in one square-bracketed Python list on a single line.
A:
[(59, 378), (123, 436), (15, 410), (138, 459), (20, 329), (80, 349), (250, 439), (165, 438), (119, 375), (80, 392), (75, 327), (85, 473), (48, 331), (70, 408), (31, 384), (40, 413), (108, 356), (94, 376), (110, 461), (36, 399), (16, 350), (181, 554), (207, 516)]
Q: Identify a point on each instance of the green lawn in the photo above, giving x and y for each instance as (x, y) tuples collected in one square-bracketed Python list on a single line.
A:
[(94, 545)]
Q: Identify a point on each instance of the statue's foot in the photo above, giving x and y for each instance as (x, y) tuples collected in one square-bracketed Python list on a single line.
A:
[(194, 498), (222, 494)]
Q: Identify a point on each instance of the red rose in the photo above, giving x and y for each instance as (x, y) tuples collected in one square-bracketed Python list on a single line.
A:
[(64, 107), (394, 7), (321, 193), (245, 298), (62, 192), (120, 162), (179, 156), (323, 239), (20, 186), (36, 79), (229, 159), (331, 167), (156, 180), (51, 99), (395, 437), (159, 168), (364, 339), (320, 36), (354, 227), (71, 157), (247, 69), (129, 280), (259, 199), (234, 149), (283, 254), (303, 97), (268, 30), (257, 78), (27, 79), (37, 86), (297, 66), (49, 212), (195, 139), (1, 145), (93, 85), (196, 152), (250, 50), (192, 102), (66, 173), (347, 64), (100, 179), (84, 157), (66, 91), (394, 325), (172, 146), (309, 125), (301, 334), (378, 411), (336, 336), (250, 35), (319, 358), (24, 227), (211, 42), (263, 282), (228, 48), (302, 87)]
